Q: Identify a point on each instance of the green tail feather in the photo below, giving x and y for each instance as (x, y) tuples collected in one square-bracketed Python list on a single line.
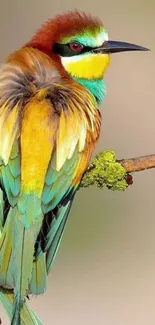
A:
[(17, 252), (39, 276), (28, 317)]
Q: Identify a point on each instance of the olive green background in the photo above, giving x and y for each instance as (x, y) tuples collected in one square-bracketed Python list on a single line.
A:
[(104, 272)]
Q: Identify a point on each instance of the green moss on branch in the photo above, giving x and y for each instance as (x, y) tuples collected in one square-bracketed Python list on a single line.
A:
[(104, 170)]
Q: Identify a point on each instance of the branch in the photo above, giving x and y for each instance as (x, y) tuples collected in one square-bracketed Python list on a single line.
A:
[(138, 164), (105, 170)]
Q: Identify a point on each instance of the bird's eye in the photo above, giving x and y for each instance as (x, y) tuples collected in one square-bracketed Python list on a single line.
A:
[(76, 47)]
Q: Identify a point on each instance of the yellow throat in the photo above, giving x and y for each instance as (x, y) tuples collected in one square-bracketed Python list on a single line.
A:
[(88, 66)]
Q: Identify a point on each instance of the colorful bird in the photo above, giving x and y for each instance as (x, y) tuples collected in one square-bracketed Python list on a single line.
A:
[(50, 91)]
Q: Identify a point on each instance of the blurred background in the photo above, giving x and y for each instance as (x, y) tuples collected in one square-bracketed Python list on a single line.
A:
[(104, 272)]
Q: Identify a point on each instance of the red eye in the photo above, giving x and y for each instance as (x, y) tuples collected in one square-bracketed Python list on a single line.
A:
[(76, 47)]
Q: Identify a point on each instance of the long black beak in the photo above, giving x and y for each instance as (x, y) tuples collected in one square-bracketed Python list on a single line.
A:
[(117, 46)]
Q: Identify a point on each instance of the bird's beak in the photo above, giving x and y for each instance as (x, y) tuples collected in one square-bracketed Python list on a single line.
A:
[(117, 46)]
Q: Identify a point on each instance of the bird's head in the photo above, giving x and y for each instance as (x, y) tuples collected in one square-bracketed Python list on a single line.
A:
[(81, 43)]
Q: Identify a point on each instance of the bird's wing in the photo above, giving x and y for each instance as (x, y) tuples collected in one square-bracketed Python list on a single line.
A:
[(9, 132), (74, 143), (59, 202)]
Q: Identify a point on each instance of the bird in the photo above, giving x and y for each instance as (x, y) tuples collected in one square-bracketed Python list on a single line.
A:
[(51, 90)]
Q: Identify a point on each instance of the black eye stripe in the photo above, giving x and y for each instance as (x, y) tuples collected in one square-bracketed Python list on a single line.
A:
[(65, 50)]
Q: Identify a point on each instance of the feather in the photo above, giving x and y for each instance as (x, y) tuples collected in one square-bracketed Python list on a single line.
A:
[(18, 242), (38, 282), (9, 130), (55, 235), (28, 317), (59, 183)]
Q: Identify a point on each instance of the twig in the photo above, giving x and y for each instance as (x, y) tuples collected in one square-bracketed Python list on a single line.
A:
[(138, 164)]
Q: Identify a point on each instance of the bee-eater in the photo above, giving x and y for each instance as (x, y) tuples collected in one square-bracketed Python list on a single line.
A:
[(50, 92)]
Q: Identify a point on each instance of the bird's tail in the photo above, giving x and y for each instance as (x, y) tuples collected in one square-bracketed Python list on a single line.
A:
[(28, 317), (17, 253)]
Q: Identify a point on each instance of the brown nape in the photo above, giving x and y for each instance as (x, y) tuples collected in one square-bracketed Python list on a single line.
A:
[(62, 25)]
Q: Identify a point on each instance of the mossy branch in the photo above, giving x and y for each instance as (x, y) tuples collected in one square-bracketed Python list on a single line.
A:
[(105, 170)]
